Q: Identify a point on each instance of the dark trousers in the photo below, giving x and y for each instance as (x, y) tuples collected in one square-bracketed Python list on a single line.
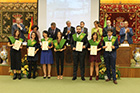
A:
[(68, 41), (60, 56), (32, 67), (110, 62), (79, 57)]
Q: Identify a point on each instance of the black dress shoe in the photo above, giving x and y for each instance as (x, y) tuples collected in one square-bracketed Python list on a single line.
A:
[(49, 77), (29, 76), (115, 82), (19, 76), (108, 80), (44, 77), (15, 76), (34, 76), (74, 78), (83, 78)]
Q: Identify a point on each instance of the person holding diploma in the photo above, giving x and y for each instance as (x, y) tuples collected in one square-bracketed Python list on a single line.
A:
[(79, 44), (95, 58), (46, 54), (32, 60), (15, 54), (110, 54), (59, 47), (35, 28)]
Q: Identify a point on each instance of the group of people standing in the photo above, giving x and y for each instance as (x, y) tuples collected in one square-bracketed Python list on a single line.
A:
[(58, 44)]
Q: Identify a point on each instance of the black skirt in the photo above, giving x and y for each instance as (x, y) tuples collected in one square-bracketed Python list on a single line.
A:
[(15, 59)]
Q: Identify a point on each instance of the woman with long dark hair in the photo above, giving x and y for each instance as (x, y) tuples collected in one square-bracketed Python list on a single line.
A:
[(94, 59), (15, 54), (32, 60), (59, 47)]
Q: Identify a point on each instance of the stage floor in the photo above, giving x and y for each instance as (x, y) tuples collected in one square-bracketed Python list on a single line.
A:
[(39, 85)]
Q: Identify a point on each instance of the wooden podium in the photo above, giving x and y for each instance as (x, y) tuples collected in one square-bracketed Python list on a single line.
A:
[(124, 56)]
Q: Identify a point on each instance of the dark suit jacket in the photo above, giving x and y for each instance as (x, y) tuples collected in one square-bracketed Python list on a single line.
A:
[(72, 29), (105, 31), (113, 52), (22, 32), (86, 31), (53, 35), (129, 35), (84, 40)]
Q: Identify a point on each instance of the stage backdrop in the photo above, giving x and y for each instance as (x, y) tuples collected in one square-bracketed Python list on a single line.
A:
[(118, 13), (60, 11), (9, 11)]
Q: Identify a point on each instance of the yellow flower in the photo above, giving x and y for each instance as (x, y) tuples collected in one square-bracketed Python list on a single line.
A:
[(25, 55), (102, 72), (22, 69), (27, 69), (25, 58), (116, 76), (26, 66), (24, 72), (104, 69), (22, 60)]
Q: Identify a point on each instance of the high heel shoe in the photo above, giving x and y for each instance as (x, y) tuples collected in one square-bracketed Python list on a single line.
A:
[(49, 76), (44, 77), (97, 77), (58, 77), (90, 78), (19, 76), (61, 77), (15, 76)]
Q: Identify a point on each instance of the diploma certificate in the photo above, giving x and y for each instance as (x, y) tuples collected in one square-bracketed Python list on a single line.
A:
[(17, 45), (79, 46), (31, 51), (45, 45), (108, 44), (93, 50)]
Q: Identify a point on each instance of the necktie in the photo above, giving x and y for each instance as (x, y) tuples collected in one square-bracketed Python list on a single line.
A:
[(53, 31), (68, 34), (109, 38)]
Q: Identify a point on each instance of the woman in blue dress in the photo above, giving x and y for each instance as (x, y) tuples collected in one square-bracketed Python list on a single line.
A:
[(46, 55)]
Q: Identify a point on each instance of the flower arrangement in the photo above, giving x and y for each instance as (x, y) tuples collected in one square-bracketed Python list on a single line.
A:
[(24, 68), (102, 70)]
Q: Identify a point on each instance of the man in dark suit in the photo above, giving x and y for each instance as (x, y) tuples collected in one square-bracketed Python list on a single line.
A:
[(109, 27), (68, 32), (110, 56), (53, 30), (126, 34), (79, 55), (84, 29), (20, 27)]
